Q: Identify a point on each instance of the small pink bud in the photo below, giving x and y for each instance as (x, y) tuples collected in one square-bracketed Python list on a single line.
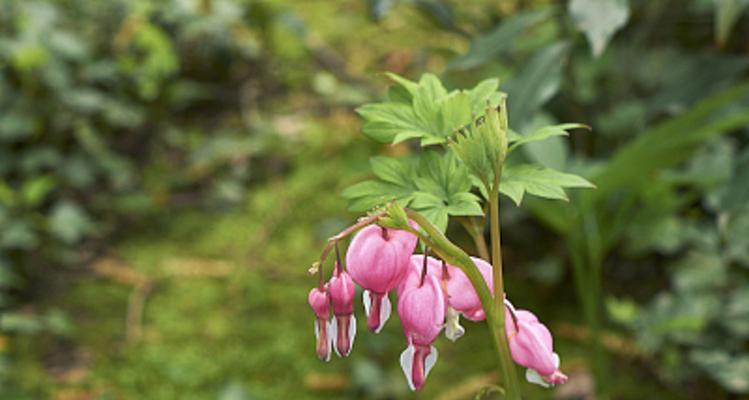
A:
[(377, 260), (422, 312), (531, 346), (341, 289), (319, 301)]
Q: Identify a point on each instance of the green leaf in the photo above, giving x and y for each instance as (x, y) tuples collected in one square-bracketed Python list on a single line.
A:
[(536, 84), (464, 203), (385, 121), (424, 110), (727, 12), (410, 86), (35, 190), (432, 207), (455, 111), (372, 193), (501, 39), (672, 141), (438, 186), (730, 370), (393, 170), (538, 181), (599, 20), (545, 133), (69, 222), (485, 90), (552, 152)]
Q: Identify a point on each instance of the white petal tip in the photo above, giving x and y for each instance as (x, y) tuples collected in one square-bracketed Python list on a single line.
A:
[(406, 361), (532, 376)]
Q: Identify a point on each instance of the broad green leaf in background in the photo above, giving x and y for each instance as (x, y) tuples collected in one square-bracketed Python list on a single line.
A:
[(538, 181), (35, 190), (69, 222), (727, 12), (537, 83), (599, 20), (552, 152), (379, 8), (500, 40), (737, 194), (731, 370)]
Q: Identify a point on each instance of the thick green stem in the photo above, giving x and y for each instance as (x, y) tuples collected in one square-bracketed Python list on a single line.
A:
[(508, 370)]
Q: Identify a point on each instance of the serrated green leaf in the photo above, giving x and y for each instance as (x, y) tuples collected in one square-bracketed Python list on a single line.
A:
[(432, 86), (372, 193), (455, 111), (424, 110), (410, 86), (387, 120), (464, 204), (432, 207), (538, 181), (481, 93), (438, 185), (393, 170)]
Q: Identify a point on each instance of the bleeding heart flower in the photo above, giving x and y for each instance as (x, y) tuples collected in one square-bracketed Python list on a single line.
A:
[(462, 297), (377, 260), (412, 276), (460, 292), (531, 346), (343, 325), (319, 301), (422, 311)]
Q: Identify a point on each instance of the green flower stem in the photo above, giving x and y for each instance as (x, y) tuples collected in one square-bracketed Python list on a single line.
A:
[(509, 372), (454, 255), (476, 230)]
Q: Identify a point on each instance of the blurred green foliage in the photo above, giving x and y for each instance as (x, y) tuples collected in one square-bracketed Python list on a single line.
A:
[(204, 143)]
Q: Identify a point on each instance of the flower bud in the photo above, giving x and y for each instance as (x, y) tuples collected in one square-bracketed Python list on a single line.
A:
[(319, 301), (343, 325)]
